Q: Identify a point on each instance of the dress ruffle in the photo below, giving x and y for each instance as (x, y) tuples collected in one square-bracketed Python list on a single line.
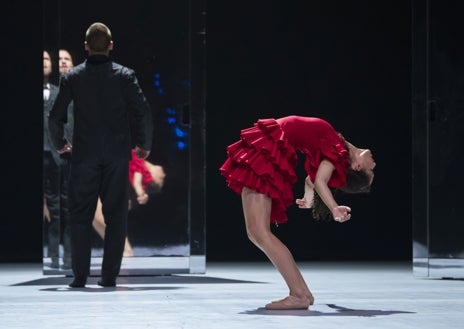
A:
[(263, 160), (138, 165)]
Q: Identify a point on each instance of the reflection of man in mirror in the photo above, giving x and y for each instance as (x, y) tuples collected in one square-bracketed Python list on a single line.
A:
[(111, 117), (55, 181), (65, 63)]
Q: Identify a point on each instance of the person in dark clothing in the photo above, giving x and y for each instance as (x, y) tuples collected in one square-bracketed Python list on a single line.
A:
[(55, 178), (111, 117)]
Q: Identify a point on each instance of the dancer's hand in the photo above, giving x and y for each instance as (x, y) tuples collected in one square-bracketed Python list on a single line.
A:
[(302, 203), (341, 213), (142, 198)]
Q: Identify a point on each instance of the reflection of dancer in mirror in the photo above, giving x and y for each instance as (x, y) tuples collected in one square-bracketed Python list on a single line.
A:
[(260, 168), (111, 117), (145, 179), (56, 170)]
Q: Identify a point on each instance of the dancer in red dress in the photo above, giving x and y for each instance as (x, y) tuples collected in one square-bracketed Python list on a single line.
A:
[(261, 168)]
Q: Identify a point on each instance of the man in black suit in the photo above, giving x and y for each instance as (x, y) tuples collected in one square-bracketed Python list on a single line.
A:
[(55, 179), (111, 116), (65, 63)]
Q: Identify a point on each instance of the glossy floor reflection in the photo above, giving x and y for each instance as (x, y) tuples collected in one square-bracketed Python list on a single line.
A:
[(232, 295)]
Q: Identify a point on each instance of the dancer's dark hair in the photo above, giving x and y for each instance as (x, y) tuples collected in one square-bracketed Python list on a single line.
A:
[(356, 182)]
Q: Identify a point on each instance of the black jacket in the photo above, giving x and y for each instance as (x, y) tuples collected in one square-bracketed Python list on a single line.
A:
[(111, 113)]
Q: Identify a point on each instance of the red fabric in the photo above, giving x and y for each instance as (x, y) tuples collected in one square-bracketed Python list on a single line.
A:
[(265, 157), (317, 140), (138, 165)]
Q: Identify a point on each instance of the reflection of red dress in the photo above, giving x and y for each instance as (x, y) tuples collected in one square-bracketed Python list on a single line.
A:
[(265, 157), (138, 165)]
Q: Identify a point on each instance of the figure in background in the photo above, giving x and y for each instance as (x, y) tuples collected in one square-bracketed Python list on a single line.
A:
[(111, 117), (145, 179), (261, 168), (55, 175), (65, 63)]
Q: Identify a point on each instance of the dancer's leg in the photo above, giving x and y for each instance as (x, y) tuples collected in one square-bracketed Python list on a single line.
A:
[(257, 209), (128, 252), (99, 226), (99, 221)]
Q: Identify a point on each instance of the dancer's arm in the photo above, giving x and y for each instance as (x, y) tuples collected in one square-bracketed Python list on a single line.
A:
[(324, 172), (308, 199), (142, 196)]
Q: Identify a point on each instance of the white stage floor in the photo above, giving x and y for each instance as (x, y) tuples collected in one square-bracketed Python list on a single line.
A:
[(369, 295)]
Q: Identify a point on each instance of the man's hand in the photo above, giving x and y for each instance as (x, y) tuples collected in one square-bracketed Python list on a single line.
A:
[(66, 149), (141, 153), (46, 212)]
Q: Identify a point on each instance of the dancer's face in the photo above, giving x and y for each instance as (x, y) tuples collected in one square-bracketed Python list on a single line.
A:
[(364, 161), (367, 163)]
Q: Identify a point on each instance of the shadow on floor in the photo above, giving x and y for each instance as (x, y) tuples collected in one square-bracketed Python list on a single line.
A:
[(338, 311), (107, 289), (157, 279)]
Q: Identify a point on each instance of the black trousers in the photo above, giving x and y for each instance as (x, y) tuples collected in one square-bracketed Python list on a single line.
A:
[(56, 197), (89, 180), (51, 193), (64, 212)]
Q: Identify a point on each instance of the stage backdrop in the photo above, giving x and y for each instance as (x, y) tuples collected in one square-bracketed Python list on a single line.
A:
[(348, 62)]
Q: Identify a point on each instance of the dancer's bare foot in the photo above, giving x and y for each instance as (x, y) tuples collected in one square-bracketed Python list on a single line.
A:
[(291, 303), (128, 253)]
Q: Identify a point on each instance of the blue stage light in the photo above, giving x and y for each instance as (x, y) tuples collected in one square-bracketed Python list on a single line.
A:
[(179, 132), (181, 145)]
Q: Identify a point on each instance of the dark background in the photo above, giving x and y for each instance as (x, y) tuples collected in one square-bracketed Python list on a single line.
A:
[(346, 61)]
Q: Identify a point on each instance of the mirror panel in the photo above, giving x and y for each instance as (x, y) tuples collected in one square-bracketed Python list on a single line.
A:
[(163, 41), (438, 138)]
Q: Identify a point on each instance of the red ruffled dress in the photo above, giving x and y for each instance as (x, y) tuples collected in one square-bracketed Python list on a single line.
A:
[(265, 157), (138, 165)]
